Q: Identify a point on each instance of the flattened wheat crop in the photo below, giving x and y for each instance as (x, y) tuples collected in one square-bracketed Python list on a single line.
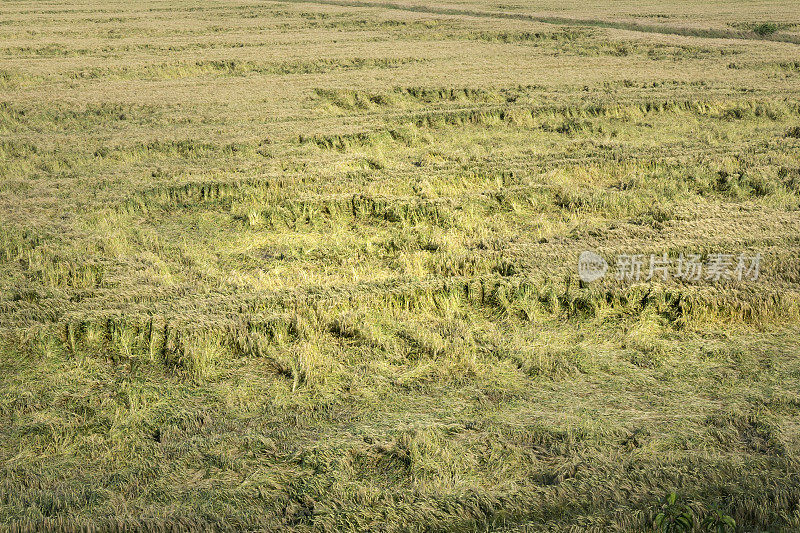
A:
[(348, 265)]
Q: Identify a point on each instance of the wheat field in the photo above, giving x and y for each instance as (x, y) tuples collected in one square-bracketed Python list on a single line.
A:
[(314, 265)]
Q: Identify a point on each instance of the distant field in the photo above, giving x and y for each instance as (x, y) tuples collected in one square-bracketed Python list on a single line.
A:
[(314, 266)]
